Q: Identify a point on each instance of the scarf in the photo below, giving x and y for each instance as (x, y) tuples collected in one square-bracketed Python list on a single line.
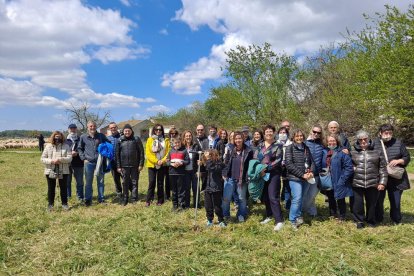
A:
[(157, 144)]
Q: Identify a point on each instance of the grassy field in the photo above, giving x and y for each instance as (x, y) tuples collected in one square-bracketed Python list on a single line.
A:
[(134, 240)]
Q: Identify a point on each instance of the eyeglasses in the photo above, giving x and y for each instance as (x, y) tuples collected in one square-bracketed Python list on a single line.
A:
[(363, 139), (316, 132), (158, 129)]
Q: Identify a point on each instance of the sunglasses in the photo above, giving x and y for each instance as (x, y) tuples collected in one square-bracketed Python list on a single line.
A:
[(316, 132), (158, 129)]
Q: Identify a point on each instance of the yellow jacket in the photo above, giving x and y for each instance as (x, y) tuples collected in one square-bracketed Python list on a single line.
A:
[(152, 159)]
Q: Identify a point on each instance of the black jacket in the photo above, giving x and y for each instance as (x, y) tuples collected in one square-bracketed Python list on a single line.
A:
[(203, 142), (76, 161), (370, 168), (214, 178), (194, 156), (295, 159), (395, 150), (248, 155), (220, 147), (129, 152)]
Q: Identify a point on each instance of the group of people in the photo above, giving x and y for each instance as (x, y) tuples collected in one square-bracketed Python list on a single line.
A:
[(270, 166)]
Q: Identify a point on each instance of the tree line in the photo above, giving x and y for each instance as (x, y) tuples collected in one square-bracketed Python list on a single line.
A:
[(362, 82)]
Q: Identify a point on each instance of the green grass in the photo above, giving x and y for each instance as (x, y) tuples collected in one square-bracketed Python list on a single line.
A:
[(410, 167), (134, 240)]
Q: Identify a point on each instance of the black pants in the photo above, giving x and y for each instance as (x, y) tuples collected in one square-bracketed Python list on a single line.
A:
[(51, 189), (190, 182), (117, 178), (371, 196), (212, 203), (271, 197), (335, 205), (156, 176), (394, 196), (130, 182), (178, 190)]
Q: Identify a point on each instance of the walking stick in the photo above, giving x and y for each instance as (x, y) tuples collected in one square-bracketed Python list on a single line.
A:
[(195, 227)]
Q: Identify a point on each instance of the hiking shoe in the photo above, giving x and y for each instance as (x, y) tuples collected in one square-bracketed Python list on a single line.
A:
[(266, 220), (209, 223), (50, 208), (65, 207), (278, 226), (88, 203), (299, 221), (125, 202), (222, 224), (240, 218), (294, 226)]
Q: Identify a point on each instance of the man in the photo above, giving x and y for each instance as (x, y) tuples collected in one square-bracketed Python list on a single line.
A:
[(202, 140), (333, 128), (129, 163), (246, 136), (286, 125), (88, 153), (213, 138), (76, 166), (113, 138), (41, 139)]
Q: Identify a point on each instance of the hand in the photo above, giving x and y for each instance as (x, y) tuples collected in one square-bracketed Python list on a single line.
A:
[(199, 163), (346, 151), (56, 161), (119, 170), (140, 168), (85, 161), (381, 187), (74, 153), (224, 178), (306, 176), (396, 162), (159, 163), (262, 173)]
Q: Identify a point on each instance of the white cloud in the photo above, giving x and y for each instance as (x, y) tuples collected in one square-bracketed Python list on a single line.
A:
[(293, 27), (45, 43), (126, 3), (163, 31), (158, 108)]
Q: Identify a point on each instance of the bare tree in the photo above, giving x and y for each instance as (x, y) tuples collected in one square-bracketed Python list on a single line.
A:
[(82, 114)]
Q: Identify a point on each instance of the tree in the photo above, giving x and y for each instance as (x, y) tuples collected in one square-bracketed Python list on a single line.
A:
[(82, 114)]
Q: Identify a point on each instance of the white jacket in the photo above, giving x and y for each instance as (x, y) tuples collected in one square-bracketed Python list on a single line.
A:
[(61, 152)]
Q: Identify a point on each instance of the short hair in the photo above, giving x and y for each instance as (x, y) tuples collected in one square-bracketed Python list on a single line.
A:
[(335, 136), (112, 123), (269, 126), (283, 128), (91, 123), (52, 137), (213, 126), (176, 139), (333, 123), (238, 133), (385, 127), (361, 134), (260, 132), (296, 132)]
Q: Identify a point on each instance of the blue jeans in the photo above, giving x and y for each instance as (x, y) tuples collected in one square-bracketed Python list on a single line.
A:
[(89, 170), (77, 172), (297, 188), (229, 187), (309, 195)]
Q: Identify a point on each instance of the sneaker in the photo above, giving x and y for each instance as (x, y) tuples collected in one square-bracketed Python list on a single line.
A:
[(278, 226), (266, 220), (209, 223), (222, 224), (294, 226), (65, 207), (124, 202), (299, 221), (240, 218), (50, 208)]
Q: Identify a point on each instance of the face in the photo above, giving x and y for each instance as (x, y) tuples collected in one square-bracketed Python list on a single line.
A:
[(188, 137), (238, 141), (316, 132), (386, 135), (298, 138), (256, 136), (246, 134), (269, 134), (333, 129), (282, 131), (127, 132), (286, 125), (332, 142), (58, 137), (200, 130), (158, 130), (73, 130), (223, 135), (173, 133), (113, 128), (231, 137), (213, 131), (92, 128), (363, 143), (177, 144)]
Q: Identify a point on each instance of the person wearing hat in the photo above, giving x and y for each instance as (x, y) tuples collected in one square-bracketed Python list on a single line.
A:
[(76, 166), (129, 156)]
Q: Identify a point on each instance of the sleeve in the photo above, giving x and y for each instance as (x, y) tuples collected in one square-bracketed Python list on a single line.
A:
[(347, 169), (151, 157), (277, 157), (186, 158), (168, 158), (81, 149), (290, 166), (227, 164), (45, 158), (118, 154), (405, 154), (167, 149), (141, 155), (383, 170), (68, 158)]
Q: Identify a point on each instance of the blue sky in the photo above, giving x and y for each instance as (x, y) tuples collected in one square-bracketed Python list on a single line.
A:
[(136, 57)]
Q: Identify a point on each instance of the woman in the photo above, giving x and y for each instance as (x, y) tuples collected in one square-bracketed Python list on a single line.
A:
[(156, 151), (283, 138), (257, 139), (370, 177), (397, 155), (341, 170), (235, 176), (299, 167), (229, 146), (270, 153), (173, 133), (56, 157), (190, 179), (221, 144)]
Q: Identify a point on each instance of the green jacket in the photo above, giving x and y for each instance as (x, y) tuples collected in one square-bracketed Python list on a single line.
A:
[(256, 183)]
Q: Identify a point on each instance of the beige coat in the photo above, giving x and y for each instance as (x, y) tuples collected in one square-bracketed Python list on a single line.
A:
[(60, 152)]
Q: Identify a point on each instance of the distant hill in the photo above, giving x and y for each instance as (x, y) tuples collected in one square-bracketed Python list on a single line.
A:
[(19, 133)]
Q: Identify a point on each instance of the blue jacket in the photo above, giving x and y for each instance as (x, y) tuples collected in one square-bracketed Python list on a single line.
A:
[(316, 149), (342, 172)]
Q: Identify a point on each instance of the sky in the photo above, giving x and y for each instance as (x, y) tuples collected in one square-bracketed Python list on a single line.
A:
[(136, 58)]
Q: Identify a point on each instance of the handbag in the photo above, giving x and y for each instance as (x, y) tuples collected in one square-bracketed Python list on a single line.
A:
[(326, 179), (393, 171)]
